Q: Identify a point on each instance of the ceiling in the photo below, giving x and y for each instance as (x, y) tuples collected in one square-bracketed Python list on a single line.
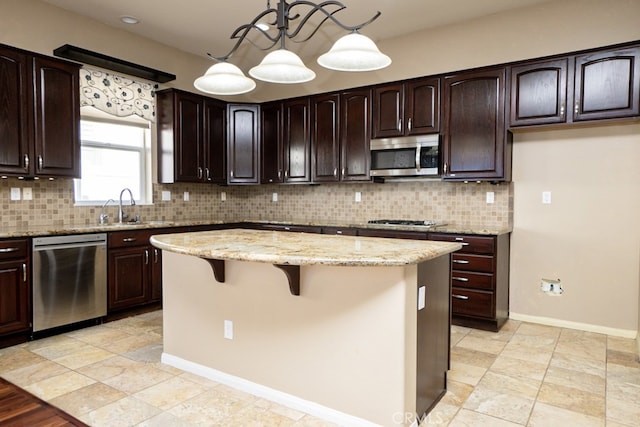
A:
[(204, 26)]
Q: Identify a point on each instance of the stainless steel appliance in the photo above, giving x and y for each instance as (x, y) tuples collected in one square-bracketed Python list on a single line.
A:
[(69, 279), (405, 157)]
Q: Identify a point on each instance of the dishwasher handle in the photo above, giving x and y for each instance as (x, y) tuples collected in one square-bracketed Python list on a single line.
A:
[(67, 246)]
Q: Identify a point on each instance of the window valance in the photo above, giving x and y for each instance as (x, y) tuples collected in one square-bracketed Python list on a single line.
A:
[(117, 95)]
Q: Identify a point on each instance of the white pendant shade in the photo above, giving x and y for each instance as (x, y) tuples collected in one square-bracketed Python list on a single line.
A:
[(282, 66), (354, 52), (224, 78)]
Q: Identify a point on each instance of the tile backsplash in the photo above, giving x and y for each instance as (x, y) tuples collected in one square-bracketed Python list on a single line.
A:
[(458, 204)]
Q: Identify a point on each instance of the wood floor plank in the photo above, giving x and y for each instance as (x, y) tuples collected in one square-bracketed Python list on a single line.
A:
[(18, 407)]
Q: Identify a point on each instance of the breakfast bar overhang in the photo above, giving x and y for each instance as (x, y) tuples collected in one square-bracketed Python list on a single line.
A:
[(354, 330)]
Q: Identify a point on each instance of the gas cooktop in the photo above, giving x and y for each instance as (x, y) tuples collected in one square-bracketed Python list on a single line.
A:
[(405, 222)]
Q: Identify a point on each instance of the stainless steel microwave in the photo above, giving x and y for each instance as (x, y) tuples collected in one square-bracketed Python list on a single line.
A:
[(403, 157)]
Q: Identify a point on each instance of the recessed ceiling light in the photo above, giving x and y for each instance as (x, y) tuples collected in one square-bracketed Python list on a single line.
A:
[(129, 19)]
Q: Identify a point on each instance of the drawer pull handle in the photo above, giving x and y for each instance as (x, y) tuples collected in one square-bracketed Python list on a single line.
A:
[(155, 256), (460, 279), (461, 261), (146, 257), (129, 239), (7, 250), (24, 272), (464, 243), (462, 297)]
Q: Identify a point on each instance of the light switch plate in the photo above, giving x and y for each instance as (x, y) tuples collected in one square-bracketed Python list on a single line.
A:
[(274, 197), (358, 196), (223, 196), (491, 197), (185, 196), (15, 193), (166, 196), (546, 197)]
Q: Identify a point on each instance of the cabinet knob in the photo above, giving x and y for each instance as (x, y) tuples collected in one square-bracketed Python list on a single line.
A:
[(231, 173), (335, 171), (410, 124), (199, 172), (576, 108), (444, 169), (399, 125), (26, 161), (562, 110), (40, 162)]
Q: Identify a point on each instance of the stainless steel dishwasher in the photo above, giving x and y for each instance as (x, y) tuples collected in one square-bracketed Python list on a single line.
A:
[(69, 279)]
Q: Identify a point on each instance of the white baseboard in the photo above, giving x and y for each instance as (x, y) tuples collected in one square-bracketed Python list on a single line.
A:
[(311, 408), (624, 333)]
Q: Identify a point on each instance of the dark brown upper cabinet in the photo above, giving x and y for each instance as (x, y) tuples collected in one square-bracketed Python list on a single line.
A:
[(296, 140), (271, 143), (325, 138), (603, 84), (539, 93), (39, 115), (243, 144), (191, 137), (355, 135), (411, 108), (607, 84), (475, 145)]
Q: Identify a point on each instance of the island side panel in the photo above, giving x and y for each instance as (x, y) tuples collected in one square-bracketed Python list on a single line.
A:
[(433, 335), (348, 342)]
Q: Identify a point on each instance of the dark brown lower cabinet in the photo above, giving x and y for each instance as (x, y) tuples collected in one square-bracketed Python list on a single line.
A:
[(480, 280), (15, 291), (135, 270)]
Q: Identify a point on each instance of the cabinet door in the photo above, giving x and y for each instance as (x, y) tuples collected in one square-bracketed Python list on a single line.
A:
[(215, 142), (539, 93), (388, 111), (15, 149), (422, 110), (325, 137), (14, 297), (297, 141), (129, 270), (156, 273), (355, 128), (271, 147), (607, 85), (474, 132), (57, 118), (189, 154), (243, 144)]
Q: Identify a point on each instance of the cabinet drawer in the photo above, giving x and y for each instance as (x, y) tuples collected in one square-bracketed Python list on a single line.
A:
[(470, 244), (11, 249), (472, 303), (472, 280), (344, 231), (467, 262), (123, 239)]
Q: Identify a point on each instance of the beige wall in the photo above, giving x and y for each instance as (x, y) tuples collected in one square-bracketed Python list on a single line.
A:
[(554, 27), (589, 236)]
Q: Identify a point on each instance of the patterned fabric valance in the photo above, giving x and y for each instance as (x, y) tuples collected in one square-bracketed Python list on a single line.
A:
[(117, 95)]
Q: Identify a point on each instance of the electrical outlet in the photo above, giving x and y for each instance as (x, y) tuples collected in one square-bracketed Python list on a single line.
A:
[(228, 329), (27, 193), (223, 196), (185, 196), (274, 197), (166, 196), (358, 196), (15, 193), (546, 197), (491, 197)]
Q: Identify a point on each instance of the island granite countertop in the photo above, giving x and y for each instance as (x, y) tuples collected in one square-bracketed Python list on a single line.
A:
[(301, 248)]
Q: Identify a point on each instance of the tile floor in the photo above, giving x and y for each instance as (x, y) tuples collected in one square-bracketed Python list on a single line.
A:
[(525, 375)]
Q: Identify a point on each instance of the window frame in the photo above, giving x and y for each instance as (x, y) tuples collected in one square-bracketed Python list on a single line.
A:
[(145, 196)]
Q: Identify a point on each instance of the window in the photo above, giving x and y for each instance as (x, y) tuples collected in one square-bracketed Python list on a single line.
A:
[(115, 154)]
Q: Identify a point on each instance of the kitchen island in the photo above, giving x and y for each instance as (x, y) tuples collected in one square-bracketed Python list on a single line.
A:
[(354, 330)]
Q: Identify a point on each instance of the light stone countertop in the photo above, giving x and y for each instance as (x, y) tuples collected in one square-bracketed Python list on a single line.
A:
[(302, 248), (58, 229)]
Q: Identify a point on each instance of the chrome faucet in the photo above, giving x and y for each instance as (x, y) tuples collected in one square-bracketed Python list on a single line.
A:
[(121, 214), (103, 216)]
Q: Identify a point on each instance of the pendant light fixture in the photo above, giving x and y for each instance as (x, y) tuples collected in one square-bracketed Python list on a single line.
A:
[(352, 52)]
